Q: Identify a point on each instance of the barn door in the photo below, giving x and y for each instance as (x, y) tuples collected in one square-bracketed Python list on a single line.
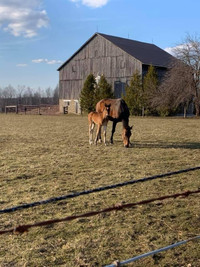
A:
[(119, 89)]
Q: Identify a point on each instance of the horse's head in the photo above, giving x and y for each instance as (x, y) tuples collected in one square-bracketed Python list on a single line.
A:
[(126, 134)]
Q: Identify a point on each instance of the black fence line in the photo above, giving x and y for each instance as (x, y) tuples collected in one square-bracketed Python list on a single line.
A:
[(95, 190), (24, 228)]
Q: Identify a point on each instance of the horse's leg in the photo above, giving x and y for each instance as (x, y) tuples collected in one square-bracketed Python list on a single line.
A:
[(113, 130), (99, 136), (91, 129), (97, 133)]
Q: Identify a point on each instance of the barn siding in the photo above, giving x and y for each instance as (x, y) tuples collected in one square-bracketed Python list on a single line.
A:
[(99, 56)]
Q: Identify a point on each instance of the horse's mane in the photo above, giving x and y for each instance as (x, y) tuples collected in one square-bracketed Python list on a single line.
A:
[(124, 108)]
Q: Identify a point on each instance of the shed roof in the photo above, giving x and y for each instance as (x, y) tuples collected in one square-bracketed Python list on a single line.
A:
[(148, 54)]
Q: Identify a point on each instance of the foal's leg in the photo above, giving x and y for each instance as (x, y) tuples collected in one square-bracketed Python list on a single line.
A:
[(113, 130), (91, 129), (97, 133)]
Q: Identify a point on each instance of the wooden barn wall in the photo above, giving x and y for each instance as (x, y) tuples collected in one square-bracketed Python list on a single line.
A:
[(99, 56)]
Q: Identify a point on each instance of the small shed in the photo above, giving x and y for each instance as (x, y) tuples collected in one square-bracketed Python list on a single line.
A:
[(115, 57)]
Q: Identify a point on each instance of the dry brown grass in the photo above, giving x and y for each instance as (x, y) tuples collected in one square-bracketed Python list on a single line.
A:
[(47, 156)]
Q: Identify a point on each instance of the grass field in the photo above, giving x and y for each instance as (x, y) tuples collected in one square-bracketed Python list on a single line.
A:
[(48, 156)]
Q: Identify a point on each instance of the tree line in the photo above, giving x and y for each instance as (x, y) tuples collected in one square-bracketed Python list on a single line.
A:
[(148, 95), (23, 95)]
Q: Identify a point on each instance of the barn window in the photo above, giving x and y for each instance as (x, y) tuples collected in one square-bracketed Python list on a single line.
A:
[(73, 68)]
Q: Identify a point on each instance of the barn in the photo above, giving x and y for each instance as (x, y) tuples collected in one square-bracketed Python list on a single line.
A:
[(115, 57)]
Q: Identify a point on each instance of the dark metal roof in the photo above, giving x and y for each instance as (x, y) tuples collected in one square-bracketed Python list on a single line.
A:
[(148, 54)]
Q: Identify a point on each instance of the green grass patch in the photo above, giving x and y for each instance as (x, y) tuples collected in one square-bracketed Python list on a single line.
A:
[(47, 156)]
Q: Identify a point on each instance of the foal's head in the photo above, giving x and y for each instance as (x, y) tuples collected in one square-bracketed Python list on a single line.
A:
[(106, 111), (126, 134)]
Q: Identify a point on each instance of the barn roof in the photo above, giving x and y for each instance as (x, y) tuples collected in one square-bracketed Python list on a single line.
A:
[(148, 54)]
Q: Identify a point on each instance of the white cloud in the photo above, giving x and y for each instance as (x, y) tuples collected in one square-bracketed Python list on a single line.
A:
[(22, 18), (173, 50), (47, 61), (39, 60), (170, 50), (92, 3), (54, 62), (21, 65)]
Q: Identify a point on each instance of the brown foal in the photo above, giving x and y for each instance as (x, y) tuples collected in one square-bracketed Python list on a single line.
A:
[(100, 119)]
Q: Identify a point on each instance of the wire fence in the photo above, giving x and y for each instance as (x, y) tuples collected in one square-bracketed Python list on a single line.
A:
[(95, 190), (24, 228)]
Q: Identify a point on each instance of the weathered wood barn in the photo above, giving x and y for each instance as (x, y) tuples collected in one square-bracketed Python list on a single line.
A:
[(117, 58)]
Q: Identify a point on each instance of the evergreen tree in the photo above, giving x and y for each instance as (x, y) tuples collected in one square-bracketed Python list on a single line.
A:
[(87, 95), (150, 88), (133, 95), (103, 89)]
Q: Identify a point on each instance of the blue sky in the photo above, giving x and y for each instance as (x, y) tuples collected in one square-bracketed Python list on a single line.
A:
[(37, 36)]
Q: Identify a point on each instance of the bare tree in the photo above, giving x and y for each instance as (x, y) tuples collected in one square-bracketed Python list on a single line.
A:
[(181, 85), (56, 95), (189, 53), (177, 89), (27, 96), (20, 90), (49, 92), (9, 92)]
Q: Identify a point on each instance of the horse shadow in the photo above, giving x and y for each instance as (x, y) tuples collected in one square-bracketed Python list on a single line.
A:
[(165, 145)]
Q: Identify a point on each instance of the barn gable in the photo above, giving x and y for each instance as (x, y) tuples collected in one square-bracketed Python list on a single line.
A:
[(116, 58)]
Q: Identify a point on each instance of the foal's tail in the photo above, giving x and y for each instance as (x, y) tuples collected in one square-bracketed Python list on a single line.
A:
[(90, 117)]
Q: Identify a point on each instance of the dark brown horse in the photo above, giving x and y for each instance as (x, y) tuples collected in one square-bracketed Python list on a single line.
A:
[(100, 119), (119, 112)]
